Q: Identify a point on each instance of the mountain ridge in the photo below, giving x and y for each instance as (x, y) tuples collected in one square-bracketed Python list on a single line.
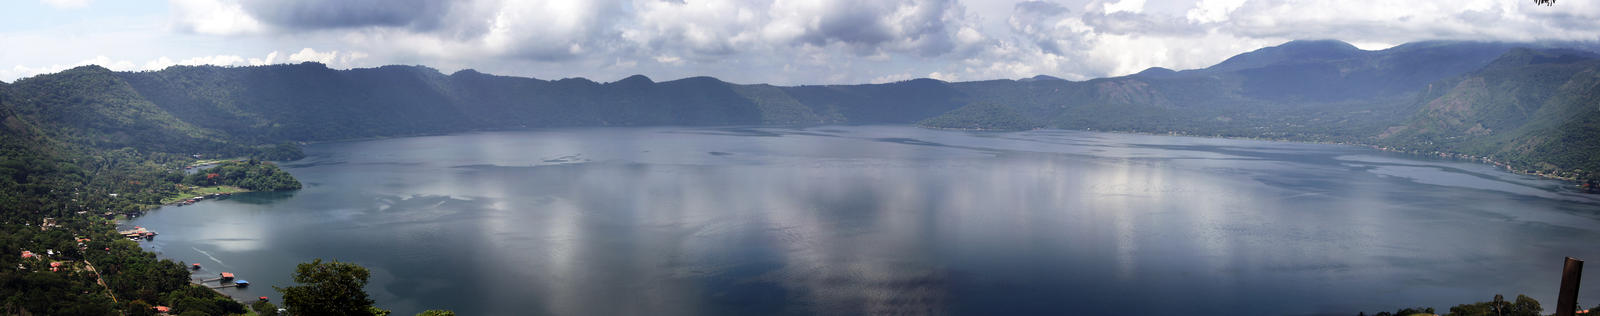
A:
[(1302, 90)]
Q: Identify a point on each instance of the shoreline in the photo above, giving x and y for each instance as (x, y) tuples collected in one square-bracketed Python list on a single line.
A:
[(1574, 180), (198, 194)]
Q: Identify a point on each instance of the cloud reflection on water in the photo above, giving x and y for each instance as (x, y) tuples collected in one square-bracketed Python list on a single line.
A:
[(867, 220)]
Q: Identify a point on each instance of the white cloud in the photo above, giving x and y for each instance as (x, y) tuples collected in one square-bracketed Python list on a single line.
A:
[(796, 41), (551, 29), (272, 58), (669, 60), (1211, 11), (214, 17), (308, 54), (1417, 20), (1130, 6), (696, 28), (331, 58), (943, 76)]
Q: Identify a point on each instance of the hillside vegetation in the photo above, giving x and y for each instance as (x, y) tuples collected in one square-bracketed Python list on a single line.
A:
[(1537, 108), (1494, 101)]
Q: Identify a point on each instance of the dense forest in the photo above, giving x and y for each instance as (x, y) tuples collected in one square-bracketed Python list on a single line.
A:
[(253, 175), (87, 143), (74, 157)]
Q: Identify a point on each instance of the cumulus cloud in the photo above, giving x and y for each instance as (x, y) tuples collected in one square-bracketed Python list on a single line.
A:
[(668, 32), (334, 58), (309, 54), (923, 28), (215, 17), (1416, 20), (1130, 6), (1210, 11), (836, 41), (701, 29), (550, 30), (1050, 27), (1123, 22), (311, 14)]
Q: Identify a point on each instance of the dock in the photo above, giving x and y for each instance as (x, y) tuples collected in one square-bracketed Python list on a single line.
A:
[(199, 198), (222, 280), (224, 277), (138, 233), (239, 284)]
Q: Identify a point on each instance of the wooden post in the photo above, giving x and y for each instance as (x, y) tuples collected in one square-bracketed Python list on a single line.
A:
[(1567, 302)]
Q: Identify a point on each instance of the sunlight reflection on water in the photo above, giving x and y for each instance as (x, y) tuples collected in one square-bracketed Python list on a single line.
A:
[(882, 219)]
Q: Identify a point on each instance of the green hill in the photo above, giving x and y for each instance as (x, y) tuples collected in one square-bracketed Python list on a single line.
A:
[(1533, 109), (1301, 90)]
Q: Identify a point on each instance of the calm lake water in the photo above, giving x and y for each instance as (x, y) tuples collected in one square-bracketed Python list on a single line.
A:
[(888, 219)]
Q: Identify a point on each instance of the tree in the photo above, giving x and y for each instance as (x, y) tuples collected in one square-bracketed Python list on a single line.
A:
[(436, 312), (264, 308), (1545, 2), (1523, 306), (139, 308), (328, 288)]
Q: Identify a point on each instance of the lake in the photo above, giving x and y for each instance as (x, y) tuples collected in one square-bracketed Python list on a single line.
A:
[(892, 219)]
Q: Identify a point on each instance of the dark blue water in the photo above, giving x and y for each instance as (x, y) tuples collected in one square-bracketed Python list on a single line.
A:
[(880, 219)]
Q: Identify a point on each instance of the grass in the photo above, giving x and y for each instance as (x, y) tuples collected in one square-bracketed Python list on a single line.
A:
[(212, 161), (191, 192)]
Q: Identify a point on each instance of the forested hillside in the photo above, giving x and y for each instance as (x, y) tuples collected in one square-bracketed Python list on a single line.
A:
[(54, 195), (1537, 108), (1302, 90), (76, 149)]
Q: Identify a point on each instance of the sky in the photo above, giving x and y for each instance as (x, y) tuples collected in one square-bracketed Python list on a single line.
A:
[(782, 42)]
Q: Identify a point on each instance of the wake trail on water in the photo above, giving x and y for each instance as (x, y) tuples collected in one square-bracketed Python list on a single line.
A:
[(213, 258)]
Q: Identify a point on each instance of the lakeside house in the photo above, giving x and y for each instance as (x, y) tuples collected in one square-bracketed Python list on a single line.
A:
[(138, 233)]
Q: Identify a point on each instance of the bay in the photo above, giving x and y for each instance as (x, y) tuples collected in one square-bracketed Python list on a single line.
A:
[(891, 219)]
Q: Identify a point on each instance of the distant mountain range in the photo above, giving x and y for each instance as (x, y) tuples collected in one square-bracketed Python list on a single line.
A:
[(1533, 106)]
